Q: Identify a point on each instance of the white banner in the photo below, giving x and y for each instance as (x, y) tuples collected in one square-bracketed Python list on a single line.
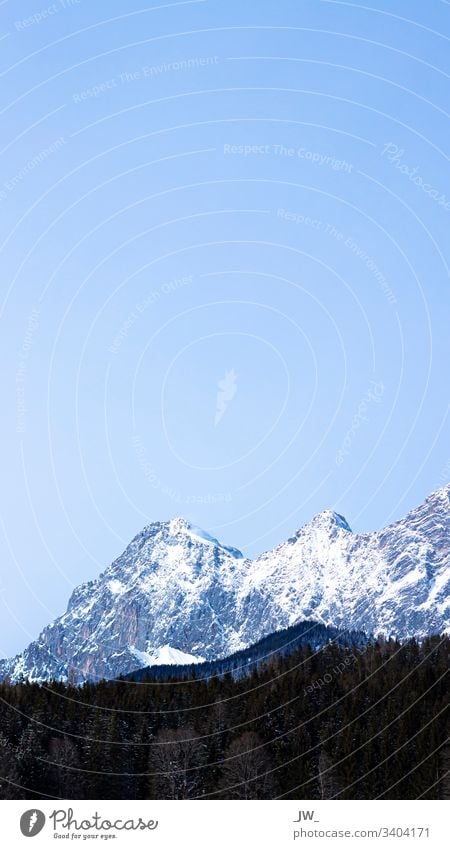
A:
[(221, 824)]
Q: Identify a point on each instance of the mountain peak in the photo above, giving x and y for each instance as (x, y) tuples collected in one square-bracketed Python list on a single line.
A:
[(329, 519), (177, 525), (182, 526), (442, 494)]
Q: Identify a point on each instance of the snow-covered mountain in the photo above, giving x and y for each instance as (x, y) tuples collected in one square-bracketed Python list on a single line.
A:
[(177, 595)]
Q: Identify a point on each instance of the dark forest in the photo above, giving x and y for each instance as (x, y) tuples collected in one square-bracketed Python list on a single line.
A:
[(341, 722)]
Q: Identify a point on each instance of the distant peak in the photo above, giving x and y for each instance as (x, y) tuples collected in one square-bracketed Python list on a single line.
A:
[(329, 519), (178, 525), (187, 529)]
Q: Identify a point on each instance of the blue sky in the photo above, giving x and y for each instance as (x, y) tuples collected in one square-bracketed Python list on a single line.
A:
[(224, 294)]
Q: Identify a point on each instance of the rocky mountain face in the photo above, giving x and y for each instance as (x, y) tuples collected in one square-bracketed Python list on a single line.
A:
[(176, 595)]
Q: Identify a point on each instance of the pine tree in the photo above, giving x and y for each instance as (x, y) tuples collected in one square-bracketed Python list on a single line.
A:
[(9, 772)]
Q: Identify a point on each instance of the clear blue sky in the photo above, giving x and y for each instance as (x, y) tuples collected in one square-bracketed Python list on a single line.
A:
[(224, 287)]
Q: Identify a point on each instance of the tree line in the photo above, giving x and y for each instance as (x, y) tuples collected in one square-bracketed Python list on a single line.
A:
[(357, 721)]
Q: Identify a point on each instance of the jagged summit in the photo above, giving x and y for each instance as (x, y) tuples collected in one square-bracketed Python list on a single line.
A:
[(182, 527), (177, 592), (328, 519)]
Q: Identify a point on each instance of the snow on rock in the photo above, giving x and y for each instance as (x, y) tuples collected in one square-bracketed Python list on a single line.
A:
[(177, 595), (165, 656)]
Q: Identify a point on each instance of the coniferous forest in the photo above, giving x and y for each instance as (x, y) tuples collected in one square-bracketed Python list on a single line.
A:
[(343, 722)]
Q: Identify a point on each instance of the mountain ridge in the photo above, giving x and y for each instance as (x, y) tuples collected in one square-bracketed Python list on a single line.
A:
[(242, 663), (176, 590)]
